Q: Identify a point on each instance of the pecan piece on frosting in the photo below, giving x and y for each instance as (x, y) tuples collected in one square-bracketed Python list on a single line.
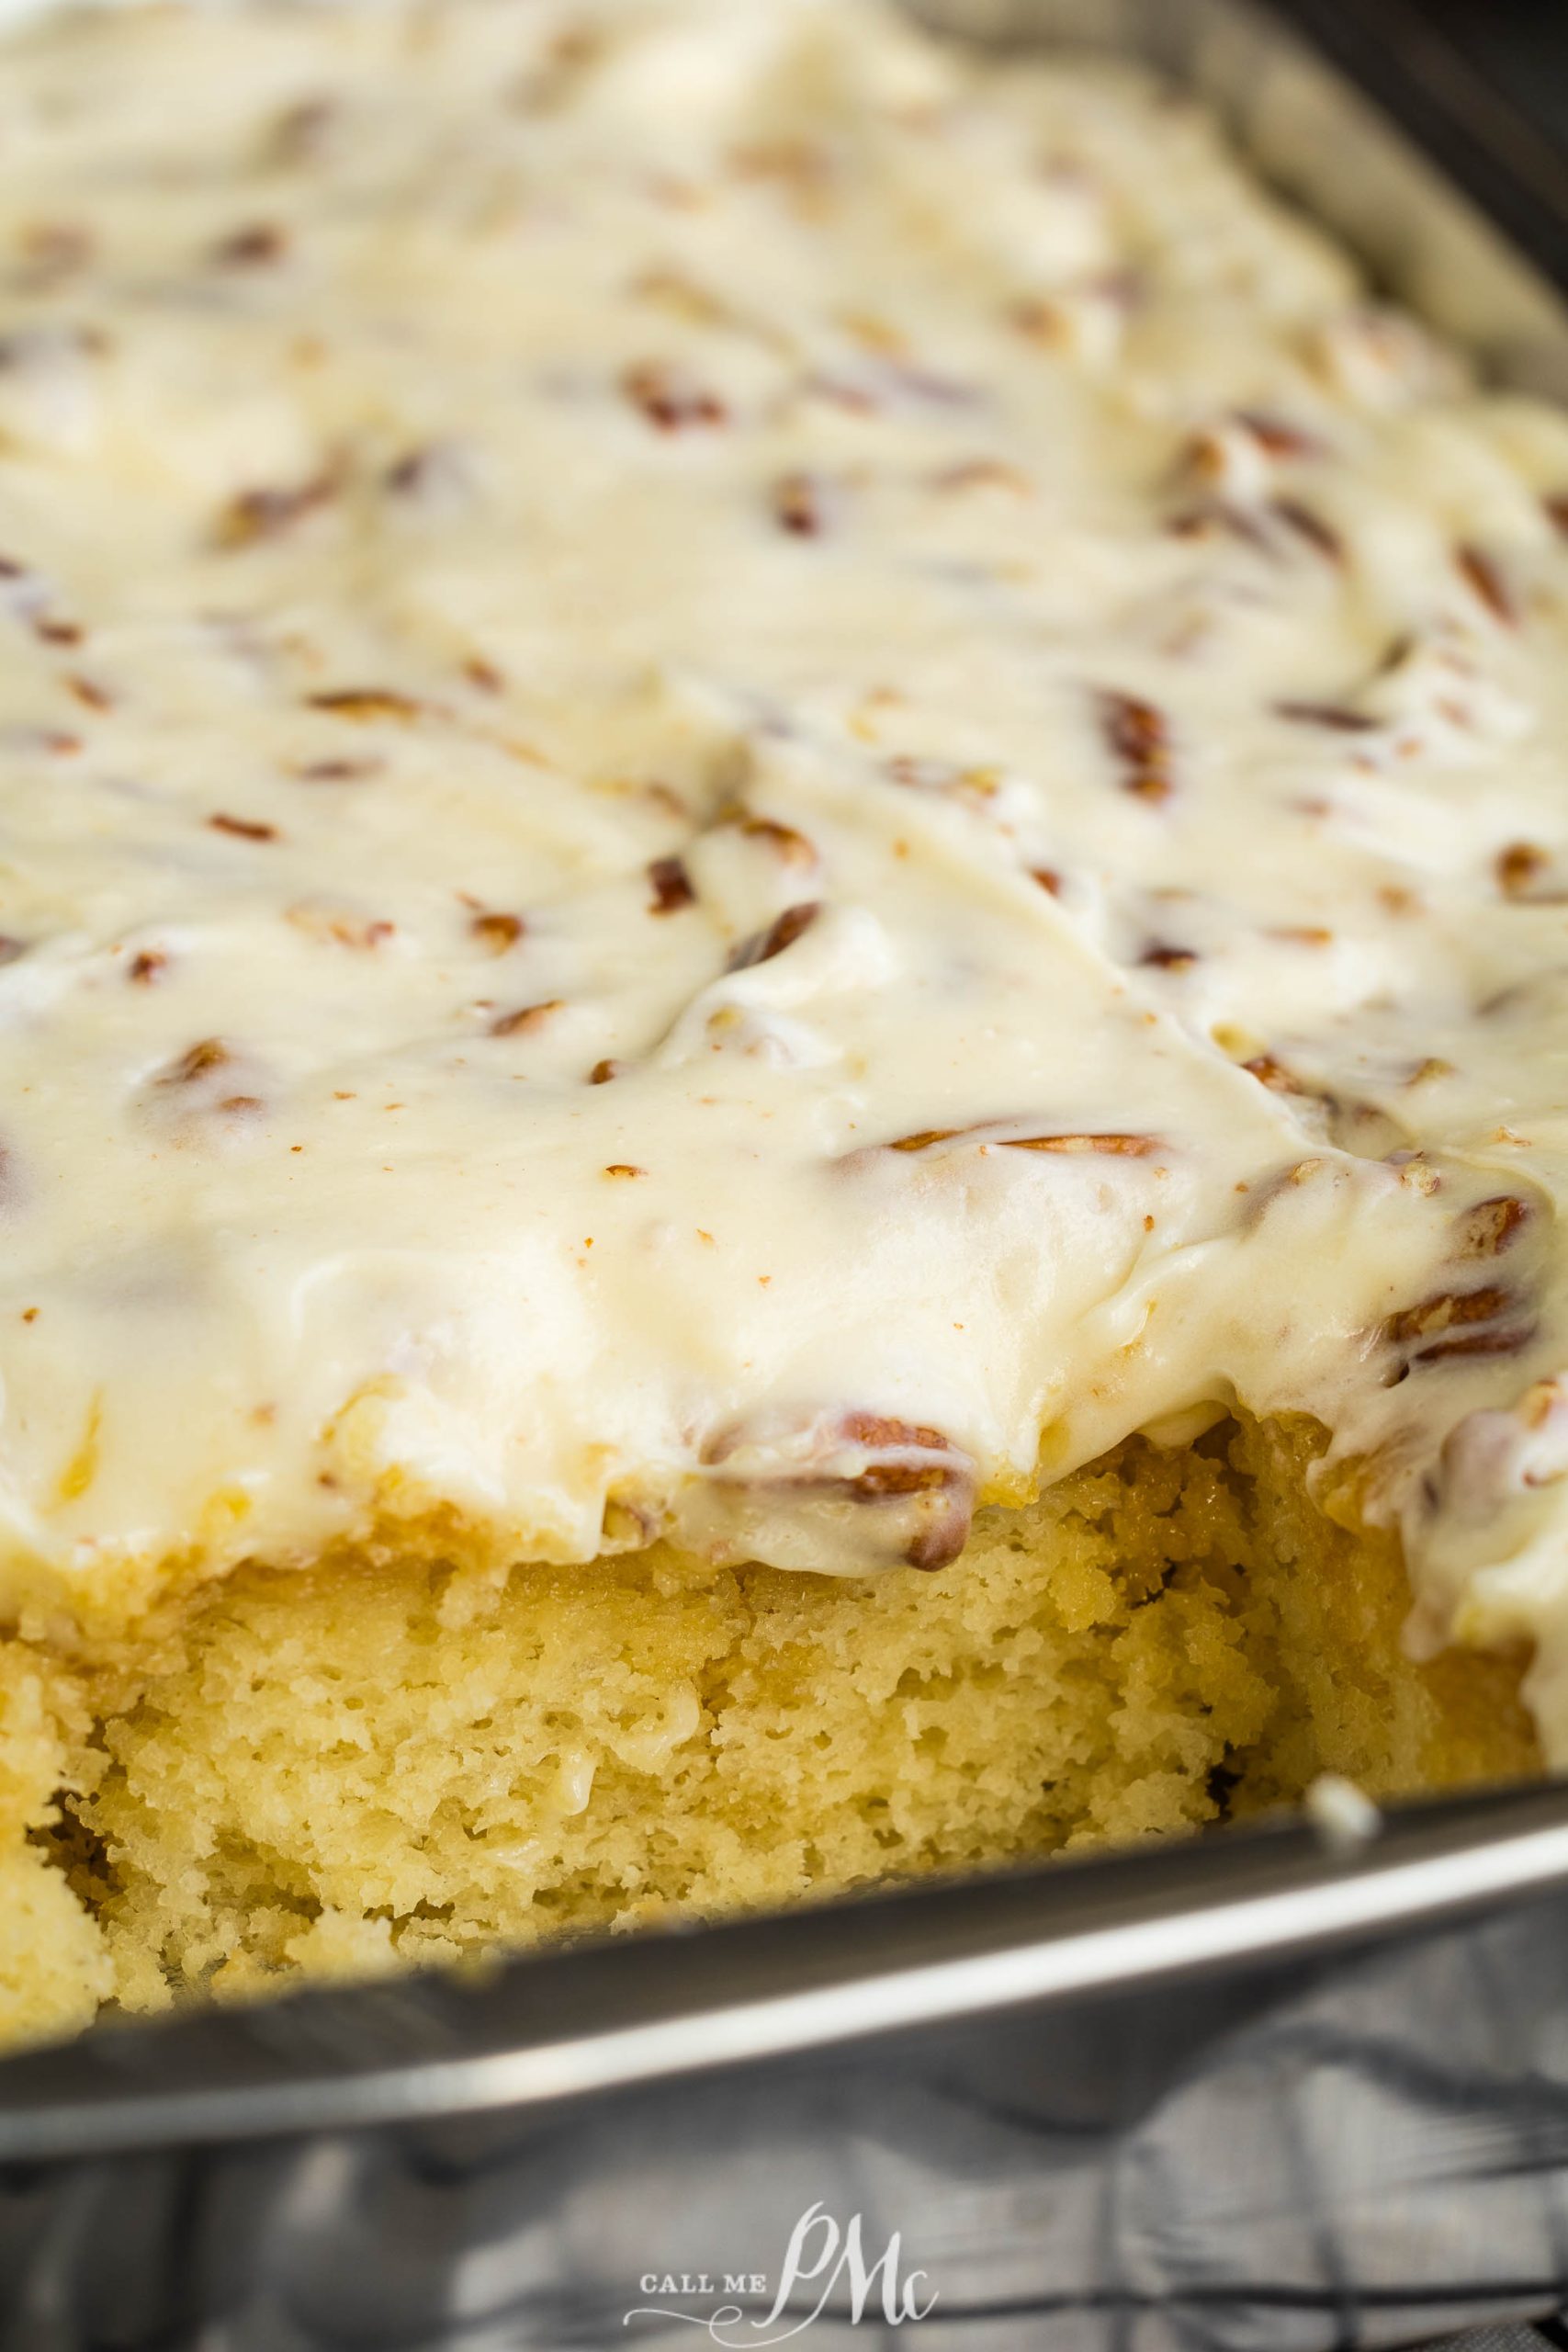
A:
[(1124, 1146), (923, 1137), (803, 504), (671, 400), (255, 247), (1309, 527), (525, 1020), (1139, 735), (1518, 867), (254, 514), (786, 843), (1333, 715), (245, 828), (208, 1077), (1457, 1323), (781, 932), (906, 1491), (671, 887), (497, 931), (1483, 573), (368, 702), (1072, 1143), (1492, 1225), (1272, 1073), (208, 1054)]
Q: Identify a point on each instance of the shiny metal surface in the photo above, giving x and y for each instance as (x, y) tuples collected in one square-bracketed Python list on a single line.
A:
[(1353, 2141), (1251, 2094)]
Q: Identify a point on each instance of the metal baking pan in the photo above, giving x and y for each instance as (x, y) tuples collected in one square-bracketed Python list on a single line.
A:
[(1255, 2092)]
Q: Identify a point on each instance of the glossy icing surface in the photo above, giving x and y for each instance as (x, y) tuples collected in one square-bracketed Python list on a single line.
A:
[(749, 779)]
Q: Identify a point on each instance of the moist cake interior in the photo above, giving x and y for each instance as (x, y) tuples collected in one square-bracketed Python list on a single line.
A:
[(401, 1759)]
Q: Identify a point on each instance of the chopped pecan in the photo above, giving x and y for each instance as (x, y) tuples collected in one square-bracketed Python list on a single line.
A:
[(924, 1137), (801, 504), (1124, 1146), (410, 474), (51, 631), (1169, 959), (1277, 435), (1309, 526), (340, 926), (498, 932), (245, 828), (876, 1428), (254, 514), (368, 702), (1492, 1225), (258, 243), (918, 1485), (791, 846), (1518, 866), (1457, 1323), (1209, 515), (525, 1020), (1132, 1147), (1139, 735), (1485, 576), (670, 399), (206, 1054), (602, 1072), (338, 770), (671, 886), (1050, 881), (1272, 1073), (1444, 1310), (781, 932), (624, 1168), (145, 967), (1501, 1339), (1332, 715)]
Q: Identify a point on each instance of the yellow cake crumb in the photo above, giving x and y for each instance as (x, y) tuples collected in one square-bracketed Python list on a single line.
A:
[(330, 1772)]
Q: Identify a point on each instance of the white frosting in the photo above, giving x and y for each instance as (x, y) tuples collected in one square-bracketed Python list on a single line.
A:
[(453, 462)]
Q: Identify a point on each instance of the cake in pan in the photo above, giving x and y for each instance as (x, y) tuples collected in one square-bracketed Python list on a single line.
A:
[(783, 1024)]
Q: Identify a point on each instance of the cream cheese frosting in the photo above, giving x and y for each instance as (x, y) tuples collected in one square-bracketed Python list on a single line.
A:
[(752, 779)]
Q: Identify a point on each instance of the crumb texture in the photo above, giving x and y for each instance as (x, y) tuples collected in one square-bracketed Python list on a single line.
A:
[(334, 1771)]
